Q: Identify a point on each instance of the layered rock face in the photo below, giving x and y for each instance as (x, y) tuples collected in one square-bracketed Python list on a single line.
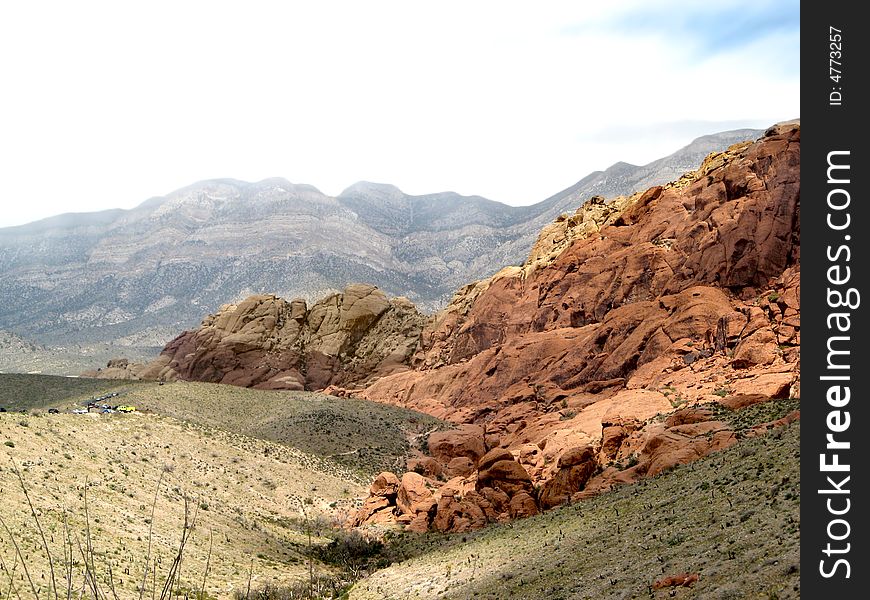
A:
[(683, 294), (269, 343), (706, 267)]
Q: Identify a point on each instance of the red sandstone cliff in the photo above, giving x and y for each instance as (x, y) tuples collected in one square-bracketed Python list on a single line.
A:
[(628, 309)]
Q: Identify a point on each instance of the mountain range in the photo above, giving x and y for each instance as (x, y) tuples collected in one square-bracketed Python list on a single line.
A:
[(134, 278)]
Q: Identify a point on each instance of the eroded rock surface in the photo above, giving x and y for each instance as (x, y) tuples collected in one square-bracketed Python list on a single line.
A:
[(582, 368), (267, 342)]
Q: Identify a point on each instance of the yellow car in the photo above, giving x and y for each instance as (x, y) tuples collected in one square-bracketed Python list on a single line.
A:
[(126, 409)]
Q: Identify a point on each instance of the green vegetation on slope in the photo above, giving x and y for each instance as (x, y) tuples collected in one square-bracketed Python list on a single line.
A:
[(765, 412), (364, 436), (733, 518), (28, 392)]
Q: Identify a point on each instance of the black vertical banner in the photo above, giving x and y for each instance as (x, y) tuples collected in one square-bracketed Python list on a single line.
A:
[(835, 301)]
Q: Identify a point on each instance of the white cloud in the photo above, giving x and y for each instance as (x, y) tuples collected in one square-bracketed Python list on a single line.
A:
[(106, 104)]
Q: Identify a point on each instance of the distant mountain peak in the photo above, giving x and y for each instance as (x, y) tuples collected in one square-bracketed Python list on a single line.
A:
[(369, 188), (619, 167)]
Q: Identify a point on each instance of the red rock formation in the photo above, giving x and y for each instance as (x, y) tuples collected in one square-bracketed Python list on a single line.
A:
[(379, 506), (703, 268), (414, 495), (628, 309), (681, 580), (500, 488), (575, 467), (466, 441)]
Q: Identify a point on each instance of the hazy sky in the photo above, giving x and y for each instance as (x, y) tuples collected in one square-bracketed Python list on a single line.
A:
[(105, 104)]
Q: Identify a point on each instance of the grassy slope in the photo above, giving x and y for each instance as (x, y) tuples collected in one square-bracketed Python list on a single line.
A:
[(230, 449), (732, 517), (363, 436), (26, 392), (249, 493)]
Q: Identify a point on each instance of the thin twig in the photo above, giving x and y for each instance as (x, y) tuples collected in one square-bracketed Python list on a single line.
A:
[(173, 570), (11, 577), (38, 525), (310, 563), (90, 578), (207, 565), (190, 529), (150, 529), (90, 546), (67, 558), (21, 558), (250, 575), (112, 582)]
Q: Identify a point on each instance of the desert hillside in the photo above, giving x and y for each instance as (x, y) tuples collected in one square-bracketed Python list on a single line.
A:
[(726, 526), (255, 469)]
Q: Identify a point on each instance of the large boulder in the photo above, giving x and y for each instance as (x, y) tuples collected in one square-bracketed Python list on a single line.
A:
[(523, 505), (385, 485), (575, 467), (614, 431), (508, 476), (414, 495), (466, 441), (269, 343)]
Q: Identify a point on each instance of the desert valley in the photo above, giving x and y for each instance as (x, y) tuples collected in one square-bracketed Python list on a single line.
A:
[(283, 394)]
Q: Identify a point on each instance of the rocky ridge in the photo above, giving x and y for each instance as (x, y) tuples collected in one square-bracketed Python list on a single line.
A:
[(583, 368)]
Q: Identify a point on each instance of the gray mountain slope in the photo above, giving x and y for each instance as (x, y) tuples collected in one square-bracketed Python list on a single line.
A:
[(138, 277)]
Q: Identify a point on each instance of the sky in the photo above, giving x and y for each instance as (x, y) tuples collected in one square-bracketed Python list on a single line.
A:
[(106, 104)]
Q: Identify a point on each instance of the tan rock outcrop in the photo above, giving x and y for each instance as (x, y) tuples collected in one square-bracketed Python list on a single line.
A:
[(575, 468), (269, 343), (414, 495)]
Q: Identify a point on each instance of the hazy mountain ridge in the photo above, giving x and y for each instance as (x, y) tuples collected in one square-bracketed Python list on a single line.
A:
[(133, 276)]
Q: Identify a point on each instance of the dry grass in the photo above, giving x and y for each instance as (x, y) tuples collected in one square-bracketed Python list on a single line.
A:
[(246, 481), (365, 437), (28, 392), (246, 494)]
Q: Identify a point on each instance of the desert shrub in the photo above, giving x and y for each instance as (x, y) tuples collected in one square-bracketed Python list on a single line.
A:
[(323, 587), (351, 551)]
